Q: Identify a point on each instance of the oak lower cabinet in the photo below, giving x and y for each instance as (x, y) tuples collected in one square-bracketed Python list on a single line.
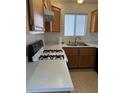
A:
[(72, 55), (87, 57), (81, 57), (86, 61)]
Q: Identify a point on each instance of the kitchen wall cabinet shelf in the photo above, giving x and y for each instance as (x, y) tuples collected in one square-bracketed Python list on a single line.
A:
[(94, 21), (81, 57)]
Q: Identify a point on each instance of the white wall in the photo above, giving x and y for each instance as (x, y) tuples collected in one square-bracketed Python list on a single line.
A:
[(71, 7), (52, 38), (32, 38)]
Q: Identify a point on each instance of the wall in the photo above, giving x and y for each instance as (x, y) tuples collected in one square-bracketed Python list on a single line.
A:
[(72, 7), (52, 38), (32, 38)]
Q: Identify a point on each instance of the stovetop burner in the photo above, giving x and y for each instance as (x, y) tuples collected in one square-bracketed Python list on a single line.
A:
[(51, 57), (52, 51)]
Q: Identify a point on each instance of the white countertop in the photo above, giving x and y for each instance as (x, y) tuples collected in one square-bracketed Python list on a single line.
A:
[(48, 77), (92, 45), (89, 45)]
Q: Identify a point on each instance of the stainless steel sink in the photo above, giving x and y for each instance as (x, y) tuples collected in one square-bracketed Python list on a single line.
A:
[(77, 44)]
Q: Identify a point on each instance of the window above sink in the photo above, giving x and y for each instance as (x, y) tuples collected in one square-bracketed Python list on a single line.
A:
[(75, 24)]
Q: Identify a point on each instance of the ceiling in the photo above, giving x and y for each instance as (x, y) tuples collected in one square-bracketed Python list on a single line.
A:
[(85, 1)]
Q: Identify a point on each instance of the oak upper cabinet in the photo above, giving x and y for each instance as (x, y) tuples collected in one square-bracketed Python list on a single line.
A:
[(72, 55), (27, 19), (36, 19), (94, 21), (56, 21)]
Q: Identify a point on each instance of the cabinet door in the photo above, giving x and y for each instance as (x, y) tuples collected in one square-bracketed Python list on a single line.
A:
[(86, 61), (56, 21), (36, 15), (72, 60), (72, 55), (27, 18), (87, 57), (94, 21)]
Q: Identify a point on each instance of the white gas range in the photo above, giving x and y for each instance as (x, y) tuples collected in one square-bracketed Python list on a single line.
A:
[(50, 55), (46, 54)]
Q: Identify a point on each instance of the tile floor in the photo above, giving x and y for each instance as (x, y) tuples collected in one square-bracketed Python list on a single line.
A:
[(84, 80)]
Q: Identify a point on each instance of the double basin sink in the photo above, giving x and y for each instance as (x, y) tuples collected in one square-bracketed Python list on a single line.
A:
[(76, 44)]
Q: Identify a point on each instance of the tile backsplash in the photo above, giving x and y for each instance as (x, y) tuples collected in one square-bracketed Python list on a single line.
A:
[(32, 38), (52, 38), (93, 37), (57, 38)]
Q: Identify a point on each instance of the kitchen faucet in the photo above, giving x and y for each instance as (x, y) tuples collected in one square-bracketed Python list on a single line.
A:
[(76, 39)]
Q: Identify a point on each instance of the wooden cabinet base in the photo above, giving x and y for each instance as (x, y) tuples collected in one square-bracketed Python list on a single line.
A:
[(81, 57), (72, 61), (87, 61)]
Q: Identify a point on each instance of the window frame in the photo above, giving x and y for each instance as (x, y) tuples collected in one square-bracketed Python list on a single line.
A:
[(75, 27)]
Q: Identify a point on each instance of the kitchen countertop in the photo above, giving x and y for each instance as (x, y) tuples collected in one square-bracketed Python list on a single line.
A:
[(48, 77), (89, 45)]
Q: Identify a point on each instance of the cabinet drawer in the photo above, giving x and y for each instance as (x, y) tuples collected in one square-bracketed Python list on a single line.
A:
[(87, 51), (71, 50)]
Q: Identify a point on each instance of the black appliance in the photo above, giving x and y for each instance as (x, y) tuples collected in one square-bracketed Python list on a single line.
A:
[(33, 48), (96, 63)]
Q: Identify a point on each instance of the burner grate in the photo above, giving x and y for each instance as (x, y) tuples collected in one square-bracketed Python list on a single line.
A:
[(52, 51), (51, 57)]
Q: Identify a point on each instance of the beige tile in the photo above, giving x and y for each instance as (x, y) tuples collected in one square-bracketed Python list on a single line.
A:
[(84, 80)]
